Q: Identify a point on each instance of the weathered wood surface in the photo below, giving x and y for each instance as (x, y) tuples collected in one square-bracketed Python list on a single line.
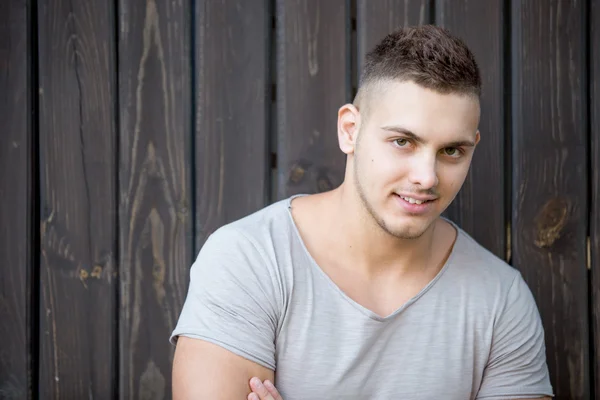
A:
[(550, 179), (77, 141), (16, 191), (375, 19), (155, 230), (188, 140), (233, 103), (594, 59), (313, 81), (480, 207)]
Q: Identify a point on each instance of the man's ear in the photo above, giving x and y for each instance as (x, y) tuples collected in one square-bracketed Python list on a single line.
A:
[(477, 138), (348, 126)]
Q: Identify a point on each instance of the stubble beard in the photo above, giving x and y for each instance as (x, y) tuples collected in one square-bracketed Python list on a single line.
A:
[(378, 219)]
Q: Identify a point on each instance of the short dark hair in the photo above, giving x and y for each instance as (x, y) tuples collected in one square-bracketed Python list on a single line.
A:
[(428, 55)]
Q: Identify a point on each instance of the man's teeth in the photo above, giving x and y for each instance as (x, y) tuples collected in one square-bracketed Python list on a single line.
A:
[(413, 201)]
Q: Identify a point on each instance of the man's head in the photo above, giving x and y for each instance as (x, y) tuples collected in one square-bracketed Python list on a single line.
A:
[(412, 130)]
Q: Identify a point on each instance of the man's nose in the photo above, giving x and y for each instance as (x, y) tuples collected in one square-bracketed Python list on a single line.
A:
[(423, 172)]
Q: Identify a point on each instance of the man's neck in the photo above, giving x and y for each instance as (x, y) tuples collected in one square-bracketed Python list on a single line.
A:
[(373, 251)]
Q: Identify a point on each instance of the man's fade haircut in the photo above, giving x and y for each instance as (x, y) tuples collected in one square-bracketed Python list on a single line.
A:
[(427, 55)]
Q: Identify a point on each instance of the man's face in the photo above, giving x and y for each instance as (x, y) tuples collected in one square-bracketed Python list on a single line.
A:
[(412, 154)]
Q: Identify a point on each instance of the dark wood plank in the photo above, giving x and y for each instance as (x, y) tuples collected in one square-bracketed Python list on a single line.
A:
[(155, 236), (313, 81), (77, 179), (233, 96), (594, 59), (375, 19), (480, 206), (15, 201), (550, 179)]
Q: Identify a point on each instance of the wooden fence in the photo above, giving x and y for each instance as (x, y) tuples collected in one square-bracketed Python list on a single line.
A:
[(133, 129)]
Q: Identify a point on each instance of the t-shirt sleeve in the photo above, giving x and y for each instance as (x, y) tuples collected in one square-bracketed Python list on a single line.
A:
[(232, 298), (517, 365)]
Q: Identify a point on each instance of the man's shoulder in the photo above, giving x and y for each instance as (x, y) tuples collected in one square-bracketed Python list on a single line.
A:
[(253, 232), (243, 250), (257, 220), (482, 282), (480, 269)]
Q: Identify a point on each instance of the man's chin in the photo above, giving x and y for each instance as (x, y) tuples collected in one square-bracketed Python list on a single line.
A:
[(407, 234), (407, 231)]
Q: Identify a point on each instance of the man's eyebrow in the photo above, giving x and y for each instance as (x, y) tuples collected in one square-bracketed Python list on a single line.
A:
[(416, 138)]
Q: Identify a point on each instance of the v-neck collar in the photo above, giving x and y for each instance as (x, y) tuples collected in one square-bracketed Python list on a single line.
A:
[(369, 313)]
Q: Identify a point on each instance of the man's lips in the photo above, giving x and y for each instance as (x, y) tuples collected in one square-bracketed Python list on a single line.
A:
[(416, 199), (413, 206)]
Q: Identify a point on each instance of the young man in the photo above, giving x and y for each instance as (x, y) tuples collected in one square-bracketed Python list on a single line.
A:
[(365, 292)]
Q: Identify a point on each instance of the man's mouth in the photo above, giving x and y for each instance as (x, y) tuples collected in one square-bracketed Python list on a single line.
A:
[(412, 200)]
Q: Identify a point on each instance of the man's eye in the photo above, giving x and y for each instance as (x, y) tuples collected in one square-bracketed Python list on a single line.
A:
[(401, 142), (452, 151)]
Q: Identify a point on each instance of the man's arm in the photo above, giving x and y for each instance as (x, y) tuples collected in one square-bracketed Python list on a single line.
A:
[(202, 370), (225, 333)]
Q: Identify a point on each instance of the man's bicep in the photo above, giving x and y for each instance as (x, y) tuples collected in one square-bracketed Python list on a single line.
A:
[(203, 370)]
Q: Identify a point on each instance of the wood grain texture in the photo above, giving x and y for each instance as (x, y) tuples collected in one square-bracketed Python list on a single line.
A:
[(550, 180), (375, 19), (594, 59), (155, 242), (16, 192), (77, 194), (482, 198), (233, 101), (313, 81)]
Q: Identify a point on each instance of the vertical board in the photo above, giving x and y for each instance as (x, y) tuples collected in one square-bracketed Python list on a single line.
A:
[(594, 60), (15, 201), (233, 103), (376, 19), (155, 241), (550, 179), (77, 195), (481, 25), (313, 81)]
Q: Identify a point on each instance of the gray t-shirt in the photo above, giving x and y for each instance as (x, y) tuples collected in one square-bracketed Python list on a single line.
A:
[(474, 332)]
